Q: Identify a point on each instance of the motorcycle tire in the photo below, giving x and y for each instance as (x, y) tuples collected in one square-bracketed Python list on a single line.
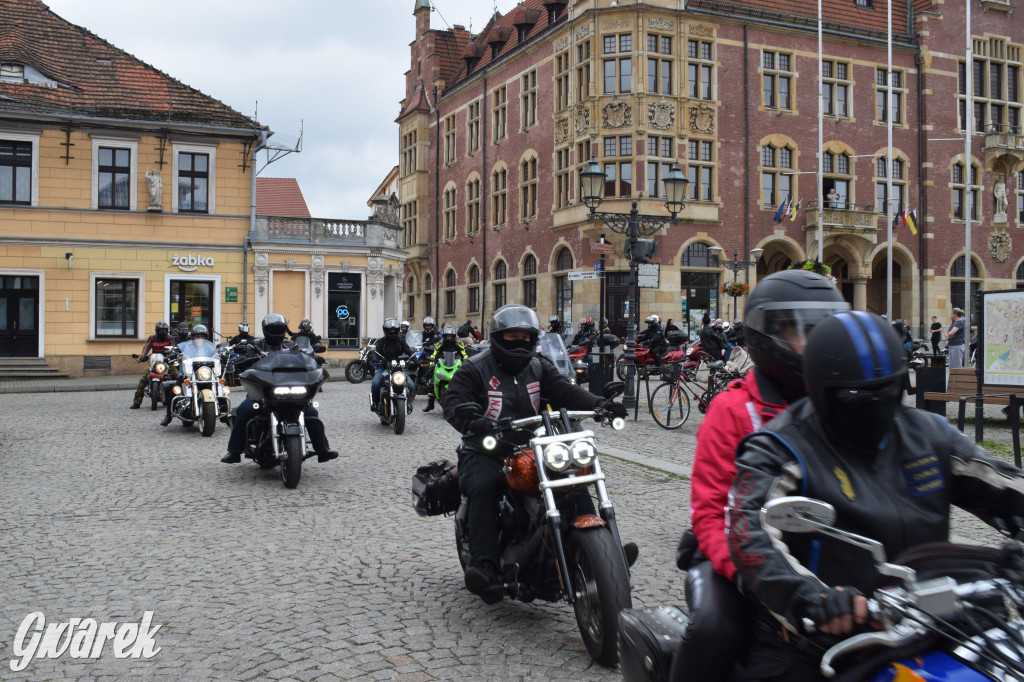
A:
[(154, 397), (620, 369), (399, 422), (602, 586), (461, 535), (441, 391), (291, 468), (207, 419), (355, 372)]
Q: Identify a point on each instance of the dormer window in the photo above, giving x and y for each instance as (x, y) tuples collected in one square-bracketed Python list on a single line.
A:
[(554, 9), (12, 71)]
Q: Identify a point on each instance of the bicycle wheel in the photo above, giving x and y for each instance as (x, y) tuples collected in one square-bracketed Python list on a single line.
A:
[(670, 406)]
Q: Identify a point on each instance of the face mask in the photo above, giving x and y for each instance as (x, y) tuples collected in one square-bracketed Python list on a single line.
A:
[(863, 418)]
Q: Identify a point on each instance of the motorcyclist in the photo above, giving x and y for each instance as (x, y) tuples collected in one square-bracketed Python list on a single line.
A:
[(306, 329), (199, 332), (275, 330), (242, 335), (182, 334), (431, 335), (711, 341), (779, 311), (587, 334), (158, 342), (506, 380), (735, 335), (890, 471), (653, 337), (604, 327), (389, 347), (449, 343), (403, 329), (903, 332)]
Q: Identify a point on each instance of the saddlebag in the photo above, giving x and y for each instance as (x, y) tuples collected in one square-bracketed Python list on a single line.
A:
[(648, 639), (435, 489)]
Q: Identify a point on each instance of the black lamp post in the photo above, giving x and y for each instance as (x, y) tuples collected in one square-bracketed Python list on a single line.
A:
[(633, 225), (735, 265)]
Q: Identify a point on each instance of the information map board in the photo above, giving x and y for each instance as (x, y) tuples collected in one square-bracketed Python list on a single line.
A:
[(1002, 338)]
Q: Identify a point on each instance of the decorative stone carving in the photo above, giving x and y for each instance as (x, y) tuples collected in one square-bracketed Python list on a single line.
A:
[(617, 115), (999, 245), (999, 195), (155, 184), (700, 30), (702, 119), (385, 211), (582, 33), (661, 24), (261, 273), (345, 266), (614, 25), (561, 130), (316, 275), (582, 117), (289, 263), (562, 44), (661, 115)]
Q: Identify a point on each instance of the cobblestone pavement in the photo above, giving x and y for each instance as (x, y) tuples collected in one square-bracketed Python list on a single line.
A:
[(107, 515)]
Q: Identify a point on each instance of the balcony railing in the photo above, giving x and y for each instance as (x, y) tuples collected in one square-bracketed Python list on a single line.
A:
[(843, 215), (327, 231)]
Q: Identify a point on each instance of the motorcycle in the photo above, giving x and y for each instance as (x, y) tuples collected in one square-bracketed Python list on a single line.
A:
[(444, 370), (393, 406), (200, 394), (365, 365), (552, 346), (915, 358), (646, 363), (280, 384), (942, 610), (552, 548), (580, 365), (159, 365), (421, 359)]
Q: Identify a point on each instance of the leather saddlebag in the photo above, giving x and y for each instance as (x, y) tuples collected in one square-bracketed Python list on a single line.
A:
[(648, 639), (435, 489)]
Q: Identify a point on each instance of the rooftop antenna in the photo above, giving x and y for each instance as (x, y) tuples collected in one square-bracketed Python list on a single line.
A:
[(280, 146)]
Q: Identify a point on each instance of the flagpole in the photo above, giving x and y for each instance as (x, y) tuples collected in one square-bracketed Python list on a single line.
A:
[(888, 170), (968, 202), (821, 151)]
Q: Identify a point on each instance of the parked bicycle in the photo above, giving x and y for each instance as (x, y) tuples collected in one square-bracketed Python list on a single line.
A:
[(670, 402)]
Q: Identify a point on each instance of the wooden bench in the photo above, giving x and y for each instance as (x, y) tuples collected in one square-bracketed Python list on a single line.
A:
[(963, 387)]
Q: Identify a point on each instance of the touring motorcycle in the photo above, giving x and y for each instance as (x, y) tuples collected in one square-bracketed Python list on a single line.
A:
[(200, 393), (553, 547), (944, 611), (280, 385)]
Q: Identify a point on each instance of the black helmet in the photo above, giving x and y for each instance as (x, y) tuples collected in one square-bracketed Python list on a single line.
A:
[(162, 328), (448, 333), (200, 330), (782, 303), (514, 356), (391, 327), (243, 328), (183, 327), (305, 325), (274, 328), (738, 322), (854, 373)]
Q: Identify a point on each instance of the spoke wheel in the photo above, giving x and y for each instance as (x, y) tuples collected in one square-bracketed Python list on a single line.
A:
[(669, 406), (355, 372)]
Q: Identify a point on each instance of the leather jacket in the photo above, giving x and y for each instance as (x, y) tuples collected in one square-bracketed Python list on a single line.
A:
[(503, 395), (392, 347), (155, 344), (899, 495)]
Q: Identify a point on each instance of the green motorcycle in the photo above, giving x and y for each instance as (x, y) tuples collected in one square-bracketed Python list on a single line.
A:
[(447, 364)]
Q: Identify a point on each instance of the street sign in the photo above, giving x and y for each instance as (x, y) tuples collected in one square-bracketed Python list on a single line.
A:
[(647, 275), (598, 247), (597, 266), (574, 276)]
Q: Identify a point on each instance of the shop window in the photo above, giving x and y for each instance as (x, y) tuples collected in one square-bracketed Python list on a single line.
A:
[(116, 308), (344, 292)]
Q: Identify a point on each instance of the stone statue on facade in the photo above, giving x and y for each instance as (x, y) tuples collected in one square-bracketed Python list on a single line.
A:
[(156, 190), (999, 193)]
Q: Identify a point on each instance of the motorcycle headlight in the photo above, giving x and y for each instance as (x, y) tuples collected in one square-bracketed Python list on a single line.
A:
[(290, 390), (160, 368), (204, 374), (556, 457), (618, 423), (583, 453), (398, 378)]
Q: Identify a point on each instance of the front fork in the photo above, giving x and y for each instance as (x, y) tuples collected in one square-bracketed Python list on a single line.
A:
[(282, 431)]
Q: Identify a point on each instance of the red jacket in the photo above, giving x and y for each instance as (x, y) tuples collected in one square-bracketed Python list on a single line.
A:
[(749, 404)]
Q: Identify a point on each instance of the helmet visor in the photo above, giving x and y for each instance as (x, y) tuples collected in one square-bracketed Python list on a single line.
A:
[(789, 323)]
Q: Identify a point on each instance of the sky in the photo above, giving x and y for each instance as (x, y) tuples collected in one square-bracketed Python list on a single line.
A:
[(335, 68)]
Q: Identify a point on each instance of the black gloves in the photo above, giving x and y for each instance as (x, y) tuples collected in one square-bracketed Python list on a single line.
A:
[(831, 604), (479, 426), (143, 358), (615, 409)]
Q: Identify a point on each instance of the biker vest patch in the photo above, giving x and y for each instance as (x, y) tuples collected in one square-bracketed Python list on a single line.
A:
[(533, 388), (924, 475), (494, 383), (844, 483), (494, 401)]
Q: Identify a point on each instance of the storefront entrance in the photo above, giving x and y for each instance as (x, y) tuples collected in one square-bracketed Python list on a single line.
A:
[(191, 302), (19, 316), (344, 291)]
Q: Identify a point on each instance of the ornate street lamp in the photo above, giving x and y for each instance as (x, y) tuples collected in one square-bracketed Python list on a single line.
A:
[(735, 265), (633, 225)]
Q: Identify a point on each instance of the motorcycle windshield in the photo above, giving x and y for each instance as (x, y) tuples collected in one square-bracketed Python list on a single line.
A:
[(199, 348), (552, 347), (303, 344), (414, 337), (449, 358)]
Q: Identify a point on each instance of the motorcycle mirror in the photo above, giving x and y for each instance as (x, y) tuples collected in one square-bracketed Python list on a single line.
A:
[(613, 389), (797, 514), (468, 411)]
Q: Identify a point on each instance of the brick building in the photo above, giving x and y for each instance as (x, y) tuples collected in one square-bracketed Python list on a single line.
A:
[(496, 126)]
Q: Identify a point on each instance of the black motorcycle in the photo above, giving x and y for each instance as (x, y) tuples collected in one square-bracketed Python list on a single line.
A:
[(394, 396), (365, 365), (553, 547), (280, 385)]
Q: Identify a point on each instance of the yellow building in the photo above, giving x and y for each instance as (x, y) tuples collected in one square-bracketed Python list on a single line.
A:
[(126, 198)]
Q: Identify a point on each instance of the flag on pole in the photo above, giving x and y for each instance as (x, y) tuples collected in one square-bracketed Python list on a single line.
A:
[(910, 218), (782, 210), (793, 210)]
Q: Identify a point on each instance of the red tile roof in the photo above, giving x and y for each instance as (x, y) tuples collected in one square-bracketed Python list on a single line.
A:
[(280, 197), (94, 77)]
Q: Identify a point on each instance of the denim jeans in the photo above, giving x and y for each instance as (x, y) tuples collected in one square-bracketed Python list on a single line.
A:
[(378, 379), (245, 412)]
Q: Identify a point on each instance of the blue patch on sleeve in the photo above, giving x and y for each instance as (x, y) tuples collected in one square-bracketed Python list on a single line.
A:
[(924, 475)]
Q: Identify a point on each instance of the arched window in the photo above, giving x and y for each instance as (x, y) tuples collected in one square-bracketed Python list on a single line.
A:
[(530, 281), (956, 282), (899, 185), (449, 213), (563, 287), (777, 169), (449, 278), (1020, 276), (500, 273), (563, 261), (699, 280), (428, 294), (528, 188), (473, 206), (474, 289), (836, 167), (449, 292)]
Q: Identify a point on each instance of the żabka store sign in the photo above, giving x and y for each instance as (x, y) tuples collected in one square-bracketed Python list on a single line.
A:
[(192, 263)]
